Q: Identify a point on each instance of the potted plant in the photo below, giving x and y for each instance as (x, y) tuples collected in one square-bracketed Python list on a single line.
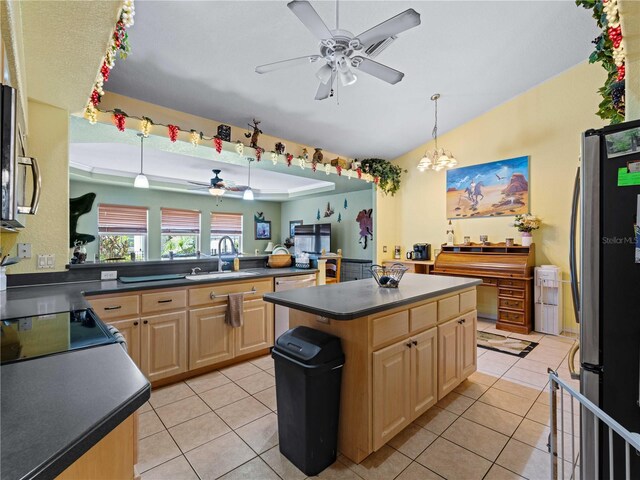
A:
[(526, 224), (389, 174)]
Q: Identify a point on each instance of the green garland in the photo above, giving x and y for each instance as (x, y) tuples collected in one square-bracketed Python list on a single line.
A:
[(388, 173), (612, 105)]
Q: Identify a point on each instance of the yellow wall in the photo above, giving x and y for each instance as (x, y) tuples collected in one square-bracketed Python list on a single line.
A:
[(544, 123), (48, 231)]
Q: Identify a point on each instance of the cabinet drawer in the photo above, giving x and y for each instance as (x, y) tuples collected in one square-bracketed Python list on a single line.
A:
[(423, 317), (512, 303), (468, 301), (510, 292), (217, 292), (162, 301), (511, 317), (508, 282), (390, 327), (115, 307), (448, 308)]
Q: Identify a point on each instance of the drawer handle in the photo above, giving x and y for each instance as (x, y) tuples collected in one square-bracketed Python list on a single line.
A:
[(115, 307), (213, 295), (166, 301)]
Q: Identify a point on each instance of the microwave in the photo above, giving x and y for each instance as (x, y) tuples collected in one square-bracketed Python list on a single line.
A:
[(20, 175)]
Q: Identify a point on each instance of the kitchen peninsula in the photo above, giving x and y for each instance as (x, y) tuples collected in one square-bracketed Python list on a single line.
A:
[(405, 348)]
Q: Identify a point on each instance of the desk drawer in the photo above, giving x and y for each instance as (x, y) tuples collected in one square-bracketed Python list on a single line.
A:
[(511, 317), (510, 292), (390, 327), (217, 293), (508, 282), (489, 281), (115, 307), (512, 303), (162, 301)]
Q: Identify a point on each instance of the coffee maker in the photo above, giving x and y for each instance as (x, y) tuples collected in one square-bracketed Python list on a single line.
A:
[(421, 251)]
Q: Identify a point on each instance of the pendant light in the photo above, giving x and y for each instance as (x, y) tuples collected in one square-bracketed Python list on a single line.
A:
[(436, 159), (141, 180), (248, 193)]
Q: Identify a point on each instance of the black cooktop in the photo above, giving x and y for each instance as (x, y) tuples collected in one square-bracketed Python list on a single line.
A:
[(37, 336)]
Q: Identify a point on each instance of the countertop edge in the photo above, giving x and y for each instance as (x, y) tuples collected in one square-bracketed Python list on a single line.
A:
[(268, 297)]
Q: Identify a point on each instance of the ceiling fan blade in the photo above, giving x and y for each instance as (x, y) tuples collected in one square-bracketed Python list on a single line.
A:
[(400, 23), (308, 15), (377, 70), (237, 188), (270, 67), (200, 184)]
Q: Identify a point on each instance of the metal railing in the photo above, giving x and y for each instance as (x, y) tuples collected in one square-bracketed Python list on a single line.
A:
[(587, 411)]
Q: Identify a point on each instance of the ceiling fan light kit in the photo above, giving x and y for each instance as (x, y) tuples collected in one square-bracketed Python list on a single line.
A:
[(341, 51), (141, 180), (438, 158)]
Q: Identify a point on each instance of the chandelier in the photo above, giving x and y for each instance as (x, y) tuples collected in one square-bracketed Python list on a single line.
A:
[(438, 158)]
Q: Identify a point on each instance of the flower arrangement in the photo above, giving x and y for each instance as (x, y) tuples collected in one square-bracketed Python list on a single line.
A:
[(527, 223)]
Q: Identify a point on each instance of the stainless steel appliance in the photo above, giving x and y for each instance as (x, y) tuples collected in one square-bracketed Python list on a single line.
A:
[(37, 336), (282, 285), (606, 296), (15, 166), (312, 238)]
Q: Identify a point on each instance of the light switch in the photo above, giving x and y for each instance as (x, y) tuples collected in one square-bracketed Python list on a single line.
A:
[(384, 249), (46, 261)]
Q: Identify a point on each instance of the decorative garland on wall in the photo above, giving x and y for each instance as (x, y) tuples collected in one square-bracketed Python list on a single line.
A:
[(610, 51), (118, 46)]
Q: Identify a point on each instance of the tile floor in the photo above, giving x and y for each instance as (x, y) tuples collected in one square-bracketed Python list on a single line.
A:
[(493, 426)]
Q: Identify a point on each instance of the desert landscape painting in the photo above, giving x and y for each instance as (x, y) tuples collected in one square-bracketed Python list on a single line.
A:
[(489, 190)]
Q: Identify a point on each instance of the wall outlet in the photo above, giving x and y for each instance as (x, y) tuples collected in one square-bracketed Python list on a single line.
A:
[(47, 261), (109, 275), (384, 249), (24, 250)]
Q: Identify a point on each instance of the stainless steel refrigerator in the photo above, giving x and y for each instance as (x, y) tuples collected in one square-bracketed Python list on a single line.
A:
[(607, 295)]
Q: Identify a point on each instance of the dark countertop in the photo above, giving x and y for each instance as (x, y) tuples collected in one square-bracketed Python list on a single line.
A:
[(60, 297), (349, 300), (56, 408)]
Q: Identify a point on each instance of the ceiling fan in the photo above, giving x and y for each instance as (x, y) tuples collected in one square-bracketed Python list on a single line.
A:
[(217, 186), (341, 51)]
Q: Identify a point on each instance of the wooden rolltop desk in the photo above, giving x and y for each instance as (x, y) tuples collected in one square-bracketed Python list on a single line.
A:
[(509, 269)]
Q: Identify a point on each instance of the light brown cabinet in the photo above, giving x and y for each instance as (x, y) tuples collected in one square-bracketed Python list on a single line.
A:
[(256, 333), (163, 345), (457, 352), (130, 330), (211, 340), (404, 384)]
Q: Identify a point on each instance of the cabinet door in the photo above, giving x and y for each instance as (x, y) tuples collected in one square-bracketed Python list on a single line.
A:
[(256, 332), (424, 372), (468, 341), (448, 357), (210, 339), (130, 330), (163, 349), (391, 391)]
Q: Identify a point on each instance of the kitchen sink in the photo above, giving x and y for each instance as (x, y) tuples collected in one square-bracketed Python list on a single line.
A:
[(219, 275)]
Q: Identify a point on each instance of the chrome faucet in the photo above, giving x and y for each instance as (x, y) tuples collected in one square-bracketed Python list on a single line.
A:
[(194, 271), (221, 263)]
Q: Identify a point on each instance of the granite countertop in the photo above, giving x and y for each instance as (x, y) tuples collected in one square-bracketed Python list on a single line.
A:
[(349, 300), (56, 408), (53, 298)]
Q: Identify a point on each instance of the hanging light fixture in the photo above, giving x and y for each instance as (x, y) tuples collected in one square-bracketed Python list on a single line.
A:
[(438, 158), (248, 193), (141, 180)]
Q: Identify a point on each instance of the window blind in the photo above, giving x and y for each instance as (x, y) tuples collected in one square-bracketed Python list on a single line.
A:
[(226, 223), (122, 219), (180, 221)]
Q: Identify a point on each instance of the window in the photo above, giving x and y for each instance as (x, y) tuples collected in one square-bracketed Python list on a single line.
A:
[(123, 231), (180, 232), (226, 224)]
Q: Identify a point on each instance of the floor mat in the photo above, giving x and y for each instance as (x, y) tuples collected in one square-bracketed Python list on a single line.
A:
[(500, 343)]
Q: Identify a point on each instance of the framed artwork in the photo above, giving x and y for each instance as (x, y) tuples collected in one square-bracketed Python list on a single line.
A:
[(292, 227), (489, 190), (263, 229)]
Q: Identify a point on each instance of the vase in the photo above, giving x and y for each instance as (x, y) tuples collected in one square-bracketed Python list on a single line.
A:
[(527, 239)]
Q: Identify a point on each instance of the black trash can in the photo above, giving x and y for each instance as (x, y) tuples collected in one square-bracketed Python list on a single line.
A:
[(308, 366)]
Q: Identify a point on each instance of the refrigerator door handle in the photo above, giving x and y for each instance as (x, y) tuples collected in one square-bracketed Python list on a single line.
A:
[(571, 359), (573, 270)]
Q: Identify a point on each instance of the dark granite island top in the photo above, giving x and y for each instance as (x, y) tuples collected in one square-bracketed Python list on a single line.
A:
[(56, 408), (350, 300)]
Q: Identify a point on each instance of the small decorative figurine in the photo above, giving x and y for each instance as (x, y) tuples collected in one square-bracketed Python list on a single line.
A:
[(317, 156), (450, 238), (224, 132), (253, 143), (280, 148)]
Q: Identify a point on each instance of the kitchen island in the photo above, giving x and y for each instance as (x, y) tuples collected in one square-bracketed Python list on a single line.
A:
[(405, 349)]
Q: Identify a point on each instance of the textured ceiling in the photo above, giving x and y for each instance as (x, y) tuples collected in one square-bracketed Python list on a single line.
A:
[(199, 57), (64, 43)]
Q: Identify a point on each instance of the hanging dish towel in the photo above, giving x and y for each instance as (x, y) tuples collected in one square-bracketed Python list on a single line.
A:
[(233, 316)]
